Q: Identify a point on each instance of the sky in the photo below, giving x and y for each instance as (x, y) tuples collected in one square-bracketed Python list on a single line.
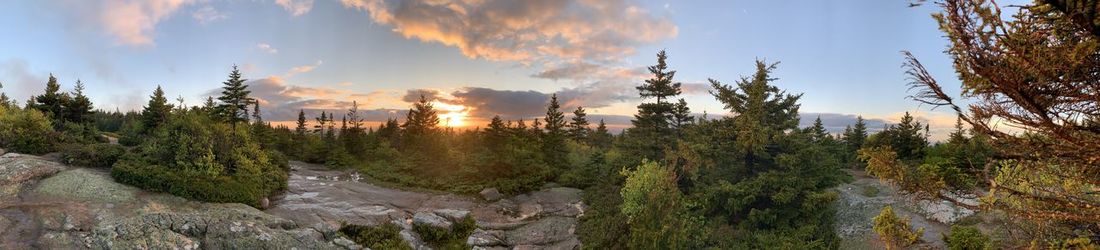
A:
[(475, 58)]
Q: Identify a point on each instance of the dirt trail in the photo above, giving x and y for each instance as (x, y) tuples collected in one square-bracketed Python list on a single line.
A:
[(861, 200)]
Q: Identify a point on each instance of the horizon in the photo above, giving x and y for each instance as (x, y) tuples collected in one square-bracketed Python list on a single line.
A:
[(503, 61)]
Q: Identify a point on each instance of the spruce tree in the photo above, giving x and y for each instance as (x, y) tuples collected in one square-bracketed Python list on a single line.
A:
[(157, 110), (496, 133), (656, 123), (553, 141), (858, 134), (422, 119), (578, 128), (79, 108), (4, 100), (763, 111), (52, 101), (601, 137), (256, 118), (301, 128), (818, 132), (234, 99)]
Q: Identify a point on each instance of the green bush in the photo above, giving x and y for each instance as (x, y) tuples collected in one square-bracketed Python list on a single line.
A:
[(190, 184), (25, 131), (100, 155), (441, 238), (894, 231), (385, 236), (966, 238)]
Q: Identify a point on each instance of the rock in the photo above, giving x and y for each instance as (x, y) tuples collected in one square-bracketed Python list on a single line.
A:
[(453, 215), (432, 220), (17, 168), (265, 203), (346, 243), (484, 238), (86, 185), (3, 151), (543, 232), (491, 194)]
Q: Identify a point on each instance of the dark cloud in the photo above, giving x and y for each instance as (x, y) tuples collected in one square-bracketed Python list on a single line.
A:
[(280, 101), (413, 95), (510, 104)]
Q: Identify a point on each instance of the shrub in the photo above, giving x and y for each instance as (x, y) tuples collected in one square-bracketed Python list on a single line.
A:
[(966, 238), (441, 238), (100, 155), (25, 131), (385, 236), (190, 184), (895, 232)]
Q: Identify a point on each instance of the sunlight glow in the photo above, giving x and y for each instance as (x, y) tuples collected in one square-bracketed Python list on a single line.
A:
[(451, 115)]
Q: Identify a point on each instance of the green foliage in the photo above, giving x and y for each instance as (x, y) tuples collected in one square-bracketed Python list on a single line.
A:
[(25, 131), (966, 238), (893, 231), (656, 210), (905, 138), (603, 226), (191, 184), (657, 123), (764, 111), (157, 111), (385, 236), (578, 128), (443, 238), (234, 99), (100, 155)]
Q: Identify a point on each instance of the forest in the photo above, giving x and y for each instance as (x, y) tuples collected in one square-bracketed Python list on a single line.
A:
[(752, 179)]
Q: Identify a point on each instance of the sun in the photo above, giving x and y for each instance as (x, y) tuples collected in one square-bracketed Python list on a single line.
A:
[(452, 115)]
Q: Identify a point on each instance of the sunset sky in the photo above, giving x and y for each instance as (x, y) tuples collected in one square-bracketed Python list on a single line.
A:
[(478, 58)]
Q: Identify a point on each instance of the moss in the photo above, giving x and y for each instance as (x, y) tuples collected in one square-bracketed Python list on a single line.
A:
[(442, 238), (386, 236)]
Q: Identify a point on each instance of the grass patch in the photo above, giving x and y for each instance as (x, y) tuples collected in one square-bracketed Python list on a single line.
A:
[(870, 191), (385, 236), (441, 238)]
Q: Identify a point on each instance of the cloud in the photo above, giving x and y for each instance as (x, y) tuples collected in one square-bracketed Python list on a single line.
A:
[(835, 123), (280, 101), (302, 69), (207, 14), (267, 48), (413, 95), (19, 82), (132, 22), (296, 7), (525, 31)]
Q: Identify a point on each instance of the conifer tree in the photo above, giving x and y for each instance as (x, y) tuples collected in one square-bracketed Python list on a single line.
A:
[(234, 99), (763, 111), (857, 135), (496, 133), (422, 119), (353, 116), (818, 132), (656, 123), (79, 108), (578, 128), (321, 122), (52, 101), (157, 111), (601, 137), (301, 128), (256, 118), (554, 140), (4, 100)]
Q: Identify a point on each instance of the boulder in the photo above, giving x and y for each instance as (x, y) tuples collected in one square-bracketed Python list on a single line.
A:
[(86, 185), (17, 168), (453, 215), (491, 194), (482, 238), (432, 220), (546, 231)]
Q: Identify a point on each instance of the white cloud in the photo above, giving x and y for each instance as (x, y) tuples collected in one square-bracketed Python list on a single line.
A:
[(267, 48), (296, 7), (302, 69), (132, 22), (207, 14)]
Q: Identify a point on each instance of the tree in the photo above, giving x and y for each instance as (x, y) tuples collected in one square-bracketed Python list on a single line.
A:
[(496, 133), (79, 108), (301, 128), (658, 216), (52, 102), (157, 110), (818, 132), (655, 123), (856, 136), (601, 137), (422, 119), (553, 142), (578, 129), (256, 118), (763, 111), (894, 231), (1034, 71), (4, 100), (234, 99)]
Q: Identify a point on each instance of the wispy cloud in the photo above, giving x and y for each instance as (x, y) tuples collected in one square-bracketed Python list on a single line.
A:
[(207, 14), (133, 22), (296, 7), (302, 69), (267, 48)]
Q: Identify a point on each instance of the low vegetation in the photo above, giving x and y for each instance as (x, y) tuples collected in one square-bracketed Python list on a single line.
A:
[(444, 238), (385, 236)]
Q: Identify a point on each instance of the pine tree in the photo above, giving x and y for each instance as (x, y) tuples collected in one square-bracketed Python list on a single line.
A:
[(234, 99), (601, 137), (763, 111), (578, 129), (79, 108), (422, 119), (256, 118), (553, 142), (52, 101), (157, 111), (353, 116), (4, 100), (656, 122), (301, 128), (321, 121), (818, 132), (857, 135), (496, 133), (957, 137)]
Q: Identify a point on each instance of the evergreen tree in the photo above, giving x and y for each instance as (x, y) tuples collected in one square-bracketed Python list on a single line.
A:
[(856, 136), (52, 102), (156, 112), (763, 111), (301, 128), (79, 108), (553, 142), (818, 132), (578, 129), (656, 122), (256, 118), (496, 133), (958, 136), (4, 100), (321, 122), (601, 137), (353, 116), (234, 99), (422, 119)]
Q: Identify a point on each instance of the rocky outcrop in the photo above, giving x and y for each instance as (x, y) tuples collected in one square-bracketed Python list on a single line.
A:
[(80, 208), (491, 194), (545, 219)]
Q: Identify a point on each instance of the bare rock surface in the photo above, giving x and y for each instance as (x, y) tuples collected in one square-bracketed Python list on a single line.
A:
[(863, 199), (544, 219), (80, 208)]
